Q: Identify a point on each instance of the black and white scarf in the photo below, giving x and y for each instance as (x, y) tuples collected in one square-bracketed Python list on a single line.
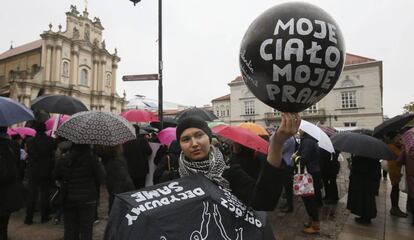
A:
[(212, 168)]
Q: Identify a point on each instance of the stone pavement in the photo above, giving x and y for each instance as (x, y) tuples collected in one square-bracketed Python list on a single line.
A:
[(333, 217), (384, 226), (336, 221)]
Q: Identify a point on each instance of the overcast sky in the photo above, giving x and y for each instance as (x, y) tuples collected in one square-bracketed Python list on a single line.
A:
[(201, 40)]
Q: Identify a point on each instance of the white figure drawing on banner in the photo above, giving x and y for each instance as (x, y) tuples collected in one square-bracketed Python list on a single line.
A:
[(202, 234), (217, 219)]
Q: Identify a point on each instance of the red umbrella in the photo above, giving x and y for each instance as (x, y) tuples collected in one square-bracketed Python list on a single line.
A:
[(137, 115), (242, 136)]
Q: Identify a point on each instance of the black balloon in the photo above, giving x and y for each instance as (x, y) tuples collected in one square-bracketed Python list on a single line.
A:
[(292, 55)]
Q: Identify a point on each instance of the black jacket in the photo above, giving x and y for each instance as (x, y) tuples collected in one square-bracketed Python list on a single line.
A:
[(83, 173), (41, 153), (167, 166), (136, 153), (309, 154), (261, 194), (117, 176), (10, 189), (248, 160)]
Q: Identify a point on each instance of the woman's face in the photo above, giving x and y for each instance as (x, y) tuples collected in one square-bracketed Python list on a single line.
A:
[(195, 144)]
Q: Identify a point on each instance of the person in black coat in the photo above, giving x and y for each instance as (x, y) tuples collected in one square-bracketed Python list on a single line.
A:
[(136, 153), (330, 168), (309, 158), (167, 168), (81, 174), (247, 159), (11, 193), (117, 175), (41, 153), (364, 177), (199, 156)]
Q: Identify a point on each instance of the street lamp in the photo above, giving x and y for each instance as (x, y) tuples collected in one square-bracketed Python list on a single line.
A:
[(160, 98)]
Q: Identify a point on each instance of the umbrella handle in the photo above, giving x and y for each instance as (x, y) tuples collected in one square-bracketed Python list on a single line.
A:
[(168, 162)]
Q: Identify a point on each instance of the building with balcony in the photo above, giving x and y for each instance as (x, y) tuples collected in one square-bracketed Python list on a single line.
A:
[(73, 62), (355, 101)]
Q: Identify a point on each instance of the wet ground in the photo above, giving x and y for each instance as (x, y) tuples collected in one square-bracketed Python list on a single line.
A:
[(336, 221)]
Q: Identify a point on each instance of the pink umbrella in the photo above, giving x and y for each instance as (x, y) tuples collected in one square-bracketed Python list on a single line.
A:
[(49, 132), (138, 115), (22, 131), (167, 135), (49, 123)]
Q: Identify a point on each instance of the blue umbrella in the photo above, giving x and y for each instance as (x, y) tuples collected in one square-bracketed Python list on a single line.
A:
[(12, 112)]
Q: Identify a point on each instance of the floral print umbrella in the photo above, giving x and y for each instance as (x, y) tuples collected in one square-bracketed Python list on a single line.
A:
[(101, 128)]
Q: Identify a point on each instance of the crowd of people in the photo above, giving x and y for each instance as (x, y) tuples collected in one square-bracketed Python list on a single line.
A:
[(34, 168)]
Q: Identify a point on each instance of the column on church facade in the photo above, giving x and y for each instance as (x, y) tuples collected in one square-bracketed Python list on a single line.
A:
[(95, 71), (58, 63), (43, 59), (74, 66), (48, 62), (113, 80), (101, 80)]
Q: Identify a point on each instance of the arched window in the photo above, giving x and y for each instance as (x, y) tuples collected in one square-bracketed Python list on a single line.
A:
[(84, 77), (35, 68)]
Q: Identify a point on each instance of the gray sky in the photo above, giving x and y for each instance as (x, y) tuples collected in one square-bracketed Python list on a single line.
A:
[(201, 40)]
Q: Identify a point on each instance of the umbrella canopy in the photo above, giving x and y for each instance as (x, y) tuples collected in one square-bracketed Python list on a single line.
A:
[(365, 131), (255, 128), (167, 135), (138, 115), (51, 121), (12, 112), (328, 130), (362, 145), (148, 128), (22, 131), (392, 124), (243, 137), (168, 122), (187, 208), (196, 112), (59, 104), (213, 124), (102, 128), (323, 140), (408, 139)]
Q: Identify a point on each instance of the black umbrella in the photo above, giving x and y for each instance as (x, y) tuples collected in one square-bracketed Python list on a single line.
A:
[(392, 124), (12, 112), (363, 131), (59, 104), (362, 145), (196, 112), (168, 122), (186, 208)]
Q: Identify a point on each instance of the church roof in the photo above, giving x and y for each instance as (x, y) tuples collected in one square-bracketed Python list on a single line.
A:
[(21, 49), (355, 59)]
